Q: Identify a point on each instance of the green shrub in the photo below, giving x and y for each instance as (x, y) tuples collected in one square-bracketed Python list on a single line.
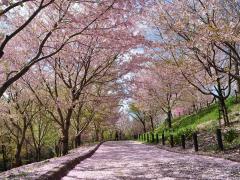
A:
[(179, 132), (230, 135), (186, 131), (177, 138)]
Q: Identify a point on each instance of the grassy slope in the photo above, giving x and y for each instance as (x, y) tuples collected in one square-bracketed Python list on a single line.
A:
[(206, 119)]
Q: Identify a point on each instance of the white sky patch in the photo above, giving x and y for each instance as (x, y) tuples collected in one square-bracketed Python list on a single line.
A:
[(137, 51), (125, 105), (78, 8)]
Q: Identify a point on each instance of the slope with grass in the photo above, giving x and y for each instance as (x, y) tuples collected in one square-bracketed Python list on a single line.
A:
[(205, 122)]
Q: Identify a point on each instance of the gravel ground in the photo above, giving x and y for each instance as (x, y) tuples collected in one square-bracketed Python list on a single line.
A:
[(133, 160)]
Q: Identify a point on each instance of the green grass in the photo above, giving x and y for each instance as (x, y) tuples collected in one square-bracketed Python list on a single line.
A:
[(206, 119), (206, 122)]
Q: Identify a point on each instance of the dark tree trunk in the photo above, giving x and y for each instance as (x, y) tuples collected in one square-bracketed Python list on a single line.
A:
[(27, 151), (144, 127), (96, 132), (222, 105), (97, 135), (18, 160), (38, 154), (78, 140), (102, 135), (78, 137), (65, 131), (152, 124), (224, 111), (169, 118), (57, 149), (237, 73), (4, 156), (65, 142)]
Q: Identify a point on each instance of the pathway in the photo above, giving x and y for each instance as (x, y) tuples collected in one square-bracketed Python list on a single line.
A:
[(133, 160)]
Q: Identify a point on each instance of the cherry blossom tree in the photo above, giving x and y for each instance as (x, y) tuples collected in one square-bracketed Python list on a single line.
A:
[(198, 37), (45, 36), (40, 129), (138, 115), (79, 42), (160, 88), (20, 111)]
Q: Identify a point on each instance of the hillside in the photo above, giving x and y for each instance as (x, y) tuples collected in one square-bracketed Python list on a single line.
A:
[(205, 122)]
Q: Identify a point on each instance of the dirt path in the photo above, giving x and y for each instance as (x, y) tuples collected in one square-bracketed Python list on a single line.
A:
[(132, 160)]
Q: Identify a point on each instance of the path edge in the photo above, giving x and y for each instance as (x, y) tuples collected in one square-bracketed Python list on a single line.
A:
[(61, 172), (199, 153)]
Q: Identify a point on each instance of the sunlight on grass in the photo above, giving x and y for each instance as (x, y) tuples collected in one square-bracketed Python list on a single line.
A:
[(206, 119)]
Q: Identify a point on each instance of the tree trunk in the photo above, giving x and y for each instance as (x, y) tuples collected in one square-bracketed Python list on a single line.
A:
[(238, 87), (224, 111), (152, 124), (78, 140), (57, 149), (38, 154), (219, 116), (4, 157), (65, 132), (102, 135), (65, 141), (18, 161), (97, 135), (27, 151), (96, 132), (169, 118), (144, 127), (237, 73)]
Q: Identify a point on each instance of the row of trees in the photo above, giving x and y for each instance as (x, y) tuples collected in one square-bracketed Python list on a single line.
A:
[(64, 64), (160, 92), (61, 65), (194, 57)]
